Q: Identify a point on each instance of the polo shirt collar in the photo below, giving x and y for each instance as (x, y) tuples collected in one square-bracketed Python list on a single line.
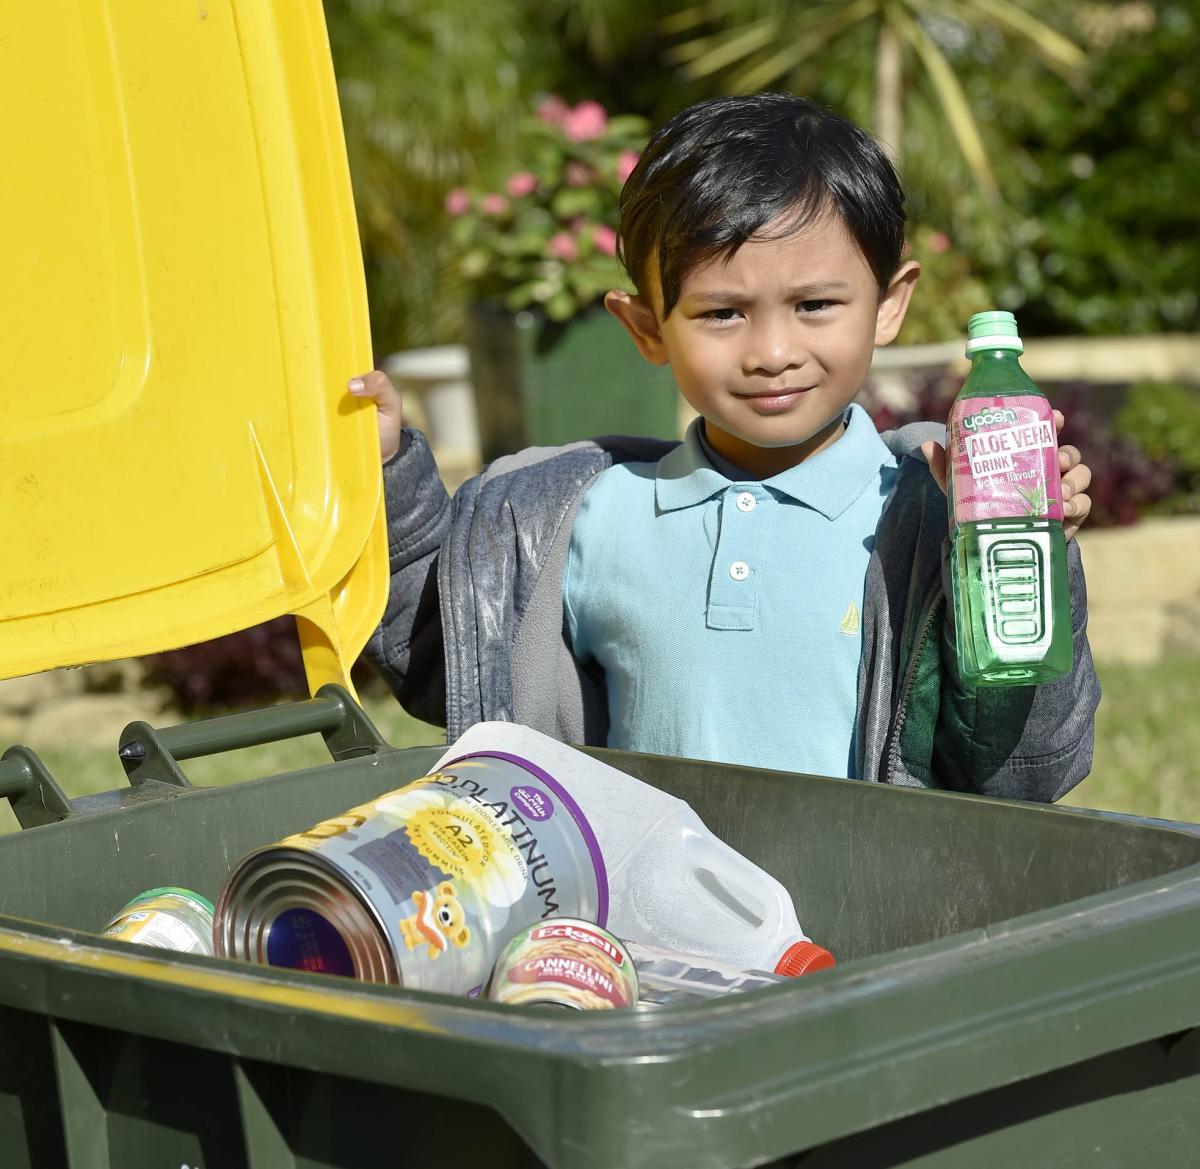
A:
[(828, 482)]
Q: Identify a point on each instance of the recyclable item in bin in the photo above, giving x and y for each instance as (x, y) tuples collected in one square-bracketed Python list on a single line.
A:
[(565, 962), (665, 879), (421, 887), (1004, 492), (667, 976), (167, 918)]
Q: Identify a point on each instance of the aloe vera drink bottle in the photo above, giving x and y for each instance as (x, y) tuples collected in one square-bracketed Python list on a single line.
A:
[(1008, 556)]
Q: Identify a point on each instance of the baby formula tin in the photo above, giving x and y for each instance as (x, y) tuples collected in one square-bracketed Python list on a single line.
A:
[(421, 887), (567, 962), (167, 918)]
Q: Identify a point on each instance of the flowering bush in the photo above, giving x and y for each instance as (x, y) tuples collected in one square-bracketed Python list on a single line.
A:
[(545, 235)]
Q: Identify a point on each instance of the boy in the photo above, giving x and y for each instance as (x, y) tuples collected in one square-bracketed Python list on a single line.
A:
[(771, 591)]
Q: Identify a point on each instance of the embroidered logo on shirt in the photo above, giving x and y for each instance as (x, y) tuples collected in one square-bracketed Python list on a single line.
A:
[(849, 624)]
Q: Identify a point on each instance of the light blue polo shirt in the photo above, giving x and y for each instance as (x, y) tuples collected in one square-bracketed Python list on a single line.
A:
[(726, 611)]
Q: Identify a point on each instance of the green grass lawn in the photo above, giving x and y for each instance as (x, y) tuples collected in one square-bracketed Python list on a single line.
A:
[(1147, 758)]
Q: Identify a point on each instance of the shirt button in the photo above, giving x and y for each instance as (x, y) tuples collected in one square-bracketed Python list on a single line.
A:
[(739, 570), (746, 501)]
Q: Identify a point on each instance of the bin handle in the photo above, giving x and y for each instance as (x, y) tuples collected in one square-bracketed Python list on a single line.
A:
[(30, 789), (147, 753)]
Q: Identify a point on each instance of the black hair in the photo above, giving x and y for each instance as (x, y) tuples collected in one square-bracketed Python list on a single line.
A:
[(720, 171)]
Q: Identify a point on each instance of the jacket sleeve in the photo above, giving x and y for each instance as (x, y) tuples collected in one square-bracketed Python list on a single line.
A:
[(406, 648), (1019, 742)]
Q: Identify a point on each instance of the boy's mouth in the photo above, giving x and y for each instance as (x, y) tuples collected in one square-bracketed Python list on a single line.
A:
[(769, 401)]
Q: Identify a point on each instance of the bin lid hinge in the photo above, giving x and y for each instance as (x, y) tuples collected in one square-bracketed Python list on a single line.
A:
[(144, 757), (35, 797)]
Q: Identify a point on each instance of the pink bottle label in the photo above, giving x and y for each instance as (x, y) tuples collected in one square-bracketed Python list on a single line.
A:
[(1004, 459)]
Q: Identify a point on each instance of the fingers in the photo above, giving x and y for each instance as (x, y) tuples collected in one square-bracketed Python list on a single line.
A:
[(1077, 478), (1076, 511), (935, 456), (377, 387)]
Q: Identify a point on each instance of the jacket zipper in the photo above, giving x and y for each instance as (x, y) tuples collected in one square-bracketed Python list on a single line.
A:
[(906, 691)]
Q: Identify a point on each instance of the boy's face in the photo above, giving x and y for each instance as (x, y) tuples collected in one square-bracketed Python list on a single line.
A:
[(771, 344)]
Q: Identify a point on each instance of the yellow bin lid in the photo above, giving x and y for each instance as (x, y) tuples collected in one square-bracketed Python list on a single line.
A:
[(183, 302)]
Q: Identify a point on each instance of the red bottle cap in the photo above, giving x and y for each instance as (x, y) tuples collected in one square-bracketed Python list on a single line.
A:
[(803, 958)]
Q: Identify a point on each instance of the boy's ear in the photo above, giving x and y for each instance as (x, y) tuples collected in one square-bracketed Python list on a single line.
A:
[(893, 304), (640, 323)]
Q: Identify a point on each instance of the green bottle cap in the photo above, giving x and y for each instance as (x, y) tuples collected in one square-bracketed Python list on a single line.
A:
[(993, 330)]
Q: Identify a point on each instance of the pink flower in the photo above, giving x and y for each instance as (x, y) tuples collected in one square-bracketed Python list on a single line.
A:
[(553, 111), (579, 175), (604, 239), (493, 204), (522, 183), (939, 242), (563, 246), (585, 122), (458, 202), (626, 161)]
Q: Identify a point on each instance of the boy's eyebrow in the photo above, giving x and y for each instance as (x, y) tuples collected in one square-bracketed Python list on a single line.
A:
[(799, 292)]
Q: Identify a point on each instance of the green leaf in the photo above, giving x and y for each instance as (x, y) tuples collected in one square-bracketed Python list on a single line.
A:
[(561, 307), (627, 126), (572, 201), (474, 264)]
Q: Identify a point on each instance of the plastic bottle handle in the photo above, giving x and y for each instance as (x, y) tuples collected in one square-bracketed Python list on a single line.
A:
[(743, 882)]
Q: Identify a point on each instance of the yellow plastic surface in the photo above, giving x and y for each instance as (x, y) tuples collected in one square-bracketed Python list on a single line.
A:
[(183, 303)]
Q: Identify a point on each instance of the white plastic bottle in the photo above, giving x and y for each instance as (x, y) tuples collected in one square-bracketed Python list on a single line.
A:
[(670, 882)]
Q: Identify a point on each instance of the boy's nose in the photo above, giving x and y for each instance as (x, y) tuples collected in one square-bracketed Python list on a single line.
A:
[(771, 351)]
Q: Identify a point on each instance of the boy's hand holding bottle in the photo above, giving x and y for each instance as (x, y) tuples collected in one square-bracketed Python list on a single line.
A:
[(1076, 478), (377, 386)]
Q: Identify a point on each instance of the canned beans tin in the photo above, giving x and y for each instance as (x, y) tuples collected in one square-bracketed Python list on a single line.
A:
[(567, 962)]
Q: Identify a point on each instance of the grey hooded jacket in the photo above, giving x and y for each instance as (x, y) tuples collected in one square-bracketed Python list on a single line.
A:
[(473, 628)]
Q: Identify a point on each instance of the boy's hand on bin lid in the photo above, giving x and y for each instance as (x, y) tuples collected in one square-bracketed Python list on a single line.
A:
[(1076, 478), (377, 386)]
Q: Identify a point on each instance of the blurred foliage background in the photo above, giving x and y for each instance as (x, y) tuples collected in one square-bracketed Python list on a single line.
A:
[(1050, 152)]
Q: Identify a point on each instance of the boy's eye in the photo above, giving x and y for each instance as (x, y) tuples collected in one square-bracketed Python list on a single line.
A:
[(722, 314), (814, 306)]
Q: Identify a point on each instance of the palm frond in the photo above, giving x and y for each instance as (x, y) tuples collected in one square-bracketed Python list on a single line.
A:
[(1060, 53), (801, 36), (803, 42), (953, 100), (728, 49), (697, 16)]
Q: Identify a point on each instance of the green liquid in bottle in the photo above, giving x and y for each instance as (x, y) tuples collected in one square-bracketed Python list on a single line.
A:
[(1009, 571)]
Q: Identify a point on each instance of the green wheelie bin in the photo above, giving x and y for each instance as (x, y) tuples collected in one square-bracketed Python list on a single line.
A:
[(1017, 985)]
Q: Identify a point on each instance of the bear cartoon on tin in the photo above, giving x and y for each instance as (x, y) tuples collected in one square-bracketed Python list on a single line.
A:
[(438, 922)]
